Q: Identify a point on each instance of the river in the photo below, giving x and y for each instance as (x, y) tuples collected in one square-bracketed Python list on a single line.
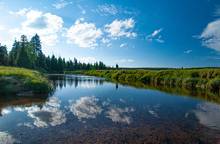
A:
[(85, 109)]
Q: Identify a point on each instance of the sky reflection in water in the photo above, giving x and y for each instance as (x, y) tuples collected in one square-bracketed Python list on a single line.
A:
[(83, 104)]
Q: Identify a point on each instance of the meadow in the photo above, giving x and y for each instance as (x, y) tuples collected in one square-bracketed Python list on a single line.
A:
[(204, 78), (19, 80)]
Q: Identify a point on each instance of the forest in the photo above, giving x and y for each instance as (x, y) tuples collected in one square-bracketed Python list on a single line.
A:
[(29, 54)]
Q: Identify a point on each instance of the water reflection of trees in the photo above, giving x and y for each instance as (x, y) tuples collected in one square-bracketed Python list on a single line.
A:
[(197, 93), (61, 81)]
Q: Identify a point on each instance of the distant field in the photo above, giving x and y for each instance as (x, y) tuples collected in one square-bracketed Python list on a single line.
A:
[(190, 78), (15, 80)]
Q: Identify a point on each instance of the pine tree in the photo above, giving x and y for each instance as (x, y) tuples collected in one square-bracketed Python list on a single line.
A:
[(37, 49), (35, 40), (3, 55), (13, 55), (60, 65), (53, 62), (23, 57)]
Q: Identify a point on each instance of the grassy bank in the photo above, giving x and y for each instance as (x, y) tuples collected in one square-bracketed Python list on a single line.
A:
[(20, 80), (204, 79)]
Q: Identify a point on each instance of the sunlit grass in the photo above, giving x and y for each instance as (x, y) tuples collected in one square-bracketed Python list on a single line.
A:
[(187, 78), (14, 79)]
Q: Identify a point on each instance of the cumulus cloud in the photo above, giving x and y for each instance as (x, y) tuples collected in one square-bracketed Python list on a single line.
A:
[(107, 9), (85, 108), (208, 115), (47, 25), (120, 28), (84, 34), (20, 12), (61, 4), (119, 114), (155, 36), (6, 138), (211, 35)]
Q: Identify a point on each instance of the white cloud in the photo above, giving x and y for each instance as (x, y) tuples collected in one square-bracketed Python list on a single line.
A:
[(155, 36), (61, 4), (20, 12), (107, 9), (112, 10), (2, 27), (120, 28), (188, 51), (125, 61), (211, 35), (47, 25), (123, 45), (105, 40), (85, 108), (119, 114), (84, 34), (87, 59), (83, 11)]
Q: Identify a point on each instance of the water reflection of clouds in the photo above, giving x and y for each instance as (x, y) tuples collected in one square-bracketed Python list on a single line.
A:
[(85, 107), (6, 138), (208, 115), (5, 111), (26, 124), (87, 85), (49, 115), (120, 115), (153, 110)]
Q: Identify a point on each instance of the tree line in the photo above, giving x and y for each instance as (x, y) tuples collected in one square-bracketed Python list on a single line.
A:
[(28, 54)]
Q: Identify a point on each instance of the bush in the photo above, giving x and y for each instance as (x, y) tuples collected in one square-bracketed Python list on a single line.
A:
[(214, 85)]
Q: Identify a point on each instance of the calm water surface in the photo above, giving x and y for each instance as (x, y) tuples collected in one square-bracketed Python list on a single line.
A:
[(90, 110)]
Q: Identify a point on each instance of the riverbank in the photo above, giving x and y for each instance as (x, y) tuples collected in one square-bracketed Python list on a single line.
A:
[(191, 79), (20, 81)]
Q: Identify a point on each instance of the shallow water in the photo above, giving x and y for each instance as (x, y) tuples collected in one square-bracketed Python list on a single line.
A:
[(86, 109)]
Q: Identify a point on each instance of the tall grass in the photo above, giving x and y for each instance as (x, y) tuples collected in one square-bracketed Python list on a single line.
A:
[(206, 79), (13, 80)]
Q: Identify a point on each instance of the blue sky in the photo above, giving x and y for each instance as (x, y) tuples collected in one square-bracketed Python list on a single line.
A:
[(144, 33)]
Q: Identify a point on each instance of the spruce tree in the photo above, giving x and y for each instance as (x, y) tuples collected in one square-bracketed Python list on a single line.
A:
[(3, 55), (23, 57)]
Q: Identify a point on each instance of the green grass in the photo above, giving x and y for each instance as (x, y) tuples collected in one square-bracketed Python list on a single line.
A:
[(17, 80), (205, 79)]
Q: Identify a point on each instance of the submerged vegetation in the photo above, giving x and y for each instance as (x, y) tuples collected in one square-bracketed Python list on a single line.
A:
[(187, 79), (21, 80)]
